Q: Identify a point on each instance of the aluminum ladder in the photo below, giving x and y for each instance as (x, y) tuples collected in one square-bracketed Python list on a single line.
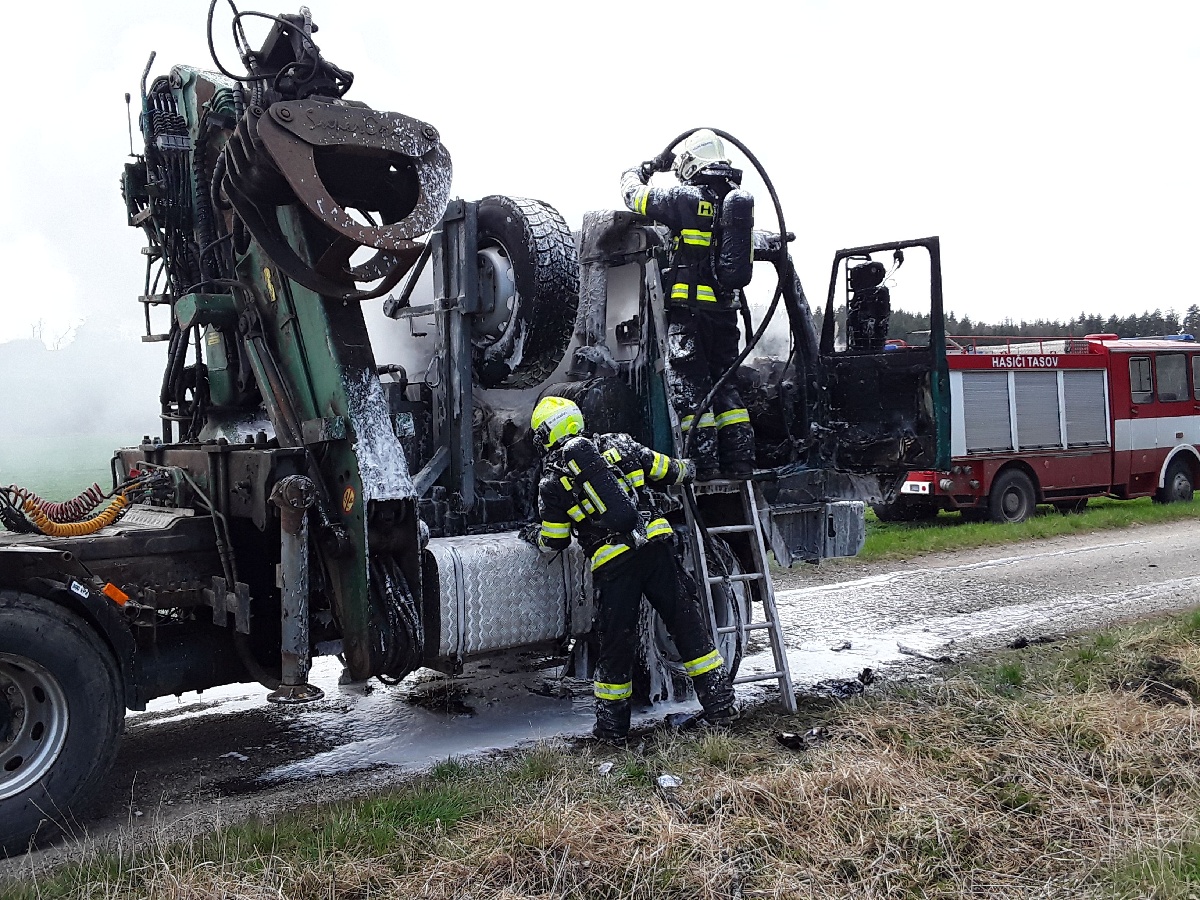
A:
[(749, 524)]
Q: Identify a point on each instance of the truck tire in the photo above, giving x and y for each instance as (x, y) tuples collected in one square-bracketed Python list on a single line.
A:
[(731, 607), (526, 248), (1178, 486), (1012, 498), (60, 718)]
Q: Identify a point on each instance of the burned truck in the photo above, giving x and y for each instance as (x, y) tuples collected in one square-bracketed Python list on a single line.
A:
[(306, 495)]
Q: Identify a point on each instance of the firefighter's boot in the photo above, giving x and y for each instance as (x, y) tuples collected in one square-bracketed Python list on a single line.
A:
[(715, 691), (612, 721), (735, 440)]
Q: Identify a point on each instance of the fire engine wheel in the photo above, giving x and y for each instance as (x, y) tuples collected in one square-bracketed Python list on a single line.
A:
[(1178, 486), (1012, 499), (529, 265), (60, 717)]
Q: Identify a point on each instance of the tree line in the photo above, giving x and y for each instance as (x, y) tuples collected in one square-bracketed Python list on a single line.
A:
[(904, 323)]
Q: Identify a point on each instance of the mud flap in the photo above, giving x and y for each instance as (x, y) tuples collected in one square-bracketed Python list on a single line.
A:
[(813, 532)]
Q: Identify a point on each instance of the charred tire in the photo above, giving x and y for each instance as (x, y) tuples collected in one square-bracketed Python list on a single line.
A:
[(60, 718), (904, 510), (526, 248), (1013, 498), (1178, 485), (608, 405), (731, 607)]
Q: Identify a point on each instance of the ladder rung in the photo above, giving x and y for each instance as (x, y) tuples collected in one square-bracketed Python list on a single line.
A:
[(748, 576), (753, 626), (766, 676), (729, 529)]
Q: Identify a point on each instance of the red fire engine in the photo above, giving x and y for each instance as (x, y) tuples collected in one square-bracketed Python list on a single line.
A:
[(1059, 420)]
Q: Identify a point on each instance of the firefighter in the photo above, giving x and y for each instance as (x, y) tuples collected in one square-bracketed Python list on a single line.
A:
[(599, 489), (711, 220), (869, 308)]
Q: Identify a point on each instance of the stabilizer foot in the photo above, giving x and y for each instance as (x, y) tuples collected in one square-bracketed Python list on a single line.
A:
[(295, 693)]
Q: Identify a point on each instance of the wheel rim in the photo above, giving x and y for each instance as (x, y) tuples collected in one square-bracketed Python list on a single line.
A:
[(1181, 487), (1012, 504), (497, 273), (34, 709)]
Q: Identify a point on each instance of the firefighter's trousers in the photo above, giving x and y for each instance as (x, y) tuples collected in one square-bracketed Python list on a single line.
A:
[(702, 345), (653, 571)]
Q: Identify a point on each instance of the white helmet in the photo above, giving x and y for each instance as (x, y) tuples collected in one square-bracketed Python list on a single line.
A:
[(699, 150)]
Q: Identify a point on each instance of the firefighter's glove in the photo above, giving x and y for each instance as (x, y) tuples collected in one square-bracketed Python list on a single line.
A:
[(648, 169), (687, 471), (664, 161), (635, 539), (529, 533)]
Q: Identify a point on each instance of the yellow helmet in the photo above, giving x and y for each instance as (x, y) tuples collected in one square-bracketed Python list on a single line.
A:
[(556, 418)]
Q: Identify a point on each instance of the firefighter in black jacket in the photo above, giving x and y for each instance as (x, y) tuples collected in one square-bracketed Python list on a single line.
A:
[(711, 220), (599, 488)]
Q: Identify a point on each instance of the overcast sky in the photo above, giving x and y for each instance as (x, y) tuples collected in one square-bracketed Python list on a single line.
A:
[(1051, 145)]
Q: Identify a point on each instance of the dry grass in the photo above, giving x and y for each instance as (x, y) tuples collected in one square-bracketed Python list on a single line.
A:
[(1059, 771)]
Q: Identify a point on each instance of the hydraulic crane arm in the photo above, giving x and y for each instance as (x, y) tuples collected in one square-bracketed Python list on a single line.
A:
[(255, 191)]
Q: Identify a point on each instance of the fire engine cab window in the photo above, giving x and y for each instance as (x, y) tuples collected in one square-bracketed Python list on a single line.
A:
[(1196, 377), (1172, 377), (1141, 388)]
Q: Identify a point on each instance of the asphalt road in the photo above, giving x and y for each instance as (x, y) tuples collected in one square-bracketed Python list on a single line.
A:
[(188, 763)]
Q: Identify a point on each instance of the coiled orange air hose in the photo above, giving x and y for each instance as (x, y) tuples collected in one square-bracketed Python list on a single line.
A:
[(75, 529), (69, 510)]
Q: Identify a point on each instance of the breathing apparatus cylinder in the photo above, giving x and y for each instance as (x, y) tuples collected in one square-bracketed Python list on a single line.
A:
[(733, 257), (596, 488)]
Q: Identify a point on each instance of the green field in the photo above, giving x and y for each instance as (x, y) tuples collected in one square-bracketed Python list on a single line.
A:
[(60, 466)]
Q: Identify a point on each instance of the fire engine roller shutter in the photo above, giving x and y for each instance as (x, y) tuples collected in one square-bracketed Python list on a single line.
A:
[(985, 411), (1087, 424), (1037, 409)]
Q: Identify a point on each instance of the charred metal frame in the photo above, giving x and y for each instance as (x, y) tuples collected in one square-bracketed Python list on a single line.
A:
[(456, 298), (835, 365)]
